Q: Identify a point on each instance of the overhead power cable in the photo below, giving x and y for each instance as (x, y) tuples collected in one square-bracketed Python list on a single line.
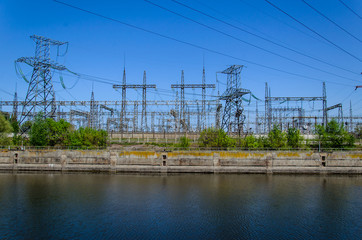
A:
[(355, 13), (315, 32), (330, 20), (4, 91), (250, 44), (195, 45), (261, 37), (283, 22)]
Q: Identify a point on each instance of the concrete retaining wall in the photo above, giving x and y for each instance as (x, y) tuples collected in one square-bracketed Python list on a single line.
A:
[(182, 161)]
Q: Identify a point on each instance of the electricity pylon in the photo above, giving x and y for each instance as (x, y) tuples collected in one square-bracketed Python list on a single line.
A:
[(40, 89)]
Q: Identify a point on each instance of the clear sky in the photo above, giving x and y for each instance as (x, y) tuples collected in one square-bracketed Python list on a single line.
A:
[(98, 46)]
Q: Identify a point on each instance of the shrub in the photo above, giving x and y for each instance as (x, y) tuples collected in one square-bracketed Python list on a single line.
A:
[(87, 137), (39, 132), (251, 142), (215, 138), (5, 129), (5, 126), (184, 142), (48, 132), (334, 135), (294, 139), (276, 138)]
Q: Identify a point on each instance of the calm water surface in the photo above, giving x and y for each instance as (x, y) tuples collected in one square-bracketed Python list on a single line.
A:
[(80, 206)]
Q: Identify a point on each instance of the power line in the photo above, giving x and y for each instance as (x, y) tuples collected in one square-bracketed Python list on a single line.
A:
[(261, 37), (343, 29), (350, 9), (193, 45), (283, 22), (4, 91), (251, 44), (315, 32)]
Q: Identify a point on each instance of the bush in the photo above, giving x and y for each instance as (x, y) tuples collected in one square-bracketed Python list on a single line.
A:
[(276, 138), (58, 132), (358, 132), (294, 139), (215, 138), (39, 132), (5, 129), (87, 137), (334, 136), (251, 142), (5, 126), (184, 143), (48, 132)]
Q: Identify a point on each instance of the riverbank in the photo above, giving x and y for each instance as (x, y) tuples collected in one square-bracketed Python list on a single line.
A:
[(115, 161)]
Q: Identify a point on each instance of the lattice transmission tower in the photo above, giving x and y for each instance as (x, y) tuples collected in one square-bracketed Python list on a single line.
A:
[(40, 89), (233, 117)]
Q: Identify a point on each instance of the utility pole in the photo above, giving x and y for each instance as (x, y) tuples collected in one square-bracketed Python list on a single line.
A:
[(14, 115), (350, 117), (123, 106), (93, 113), (325, 114)]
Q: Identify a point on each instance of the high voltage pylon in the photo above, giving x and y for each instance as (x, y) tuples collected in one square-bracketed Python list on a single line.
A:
[(233, 117), (40, 89)]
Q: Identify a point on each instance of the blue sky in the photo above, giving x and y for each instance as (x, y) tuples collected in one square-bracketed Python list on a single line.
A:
[(98, 46)]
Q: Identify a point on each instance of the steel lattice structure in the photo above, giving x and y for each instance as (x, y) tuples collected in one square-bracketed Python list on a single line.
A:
[(168, 116), (40, 89), (233, 117)]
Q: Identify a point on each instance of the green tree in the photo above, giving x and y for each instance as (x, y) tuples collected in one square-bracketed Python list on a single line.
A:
[(5, 129), (215, 138), (57, 131), (294, 139), (276, 138), (334, 135), (26, 127), (39, 132), (5, 126)]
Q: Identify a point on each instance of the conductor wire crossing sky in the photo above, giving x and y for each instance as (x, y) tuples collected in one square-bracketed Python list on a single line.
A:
[(200, 47), (165, 37), (315, 32)]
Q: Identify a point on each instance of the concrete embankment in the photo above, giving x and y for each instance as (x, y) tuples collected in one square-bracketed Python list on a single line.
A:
[(114, 161)]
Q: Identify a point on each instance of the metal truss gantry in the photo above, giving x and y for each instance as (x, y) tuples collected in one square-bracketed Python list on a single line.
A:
[(180, 116), (144, 88), (287, 116)]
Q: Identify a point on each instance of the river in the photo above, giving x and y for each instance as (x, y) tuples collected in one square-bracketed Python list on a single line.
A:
[(183, 206)]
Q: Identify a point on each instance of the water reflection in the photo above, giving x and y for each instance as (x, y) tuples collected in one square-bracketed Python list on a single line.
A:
[(46, 206)]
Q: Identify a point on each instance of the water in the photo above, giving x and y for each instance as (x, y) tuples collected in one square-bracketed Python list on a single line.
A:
[(81, 206)]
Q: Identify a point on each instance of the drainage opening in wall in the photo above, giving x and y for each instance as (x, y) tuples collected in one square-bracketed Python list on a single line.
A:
[(16, 158), (323, 161), (163, 163)]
